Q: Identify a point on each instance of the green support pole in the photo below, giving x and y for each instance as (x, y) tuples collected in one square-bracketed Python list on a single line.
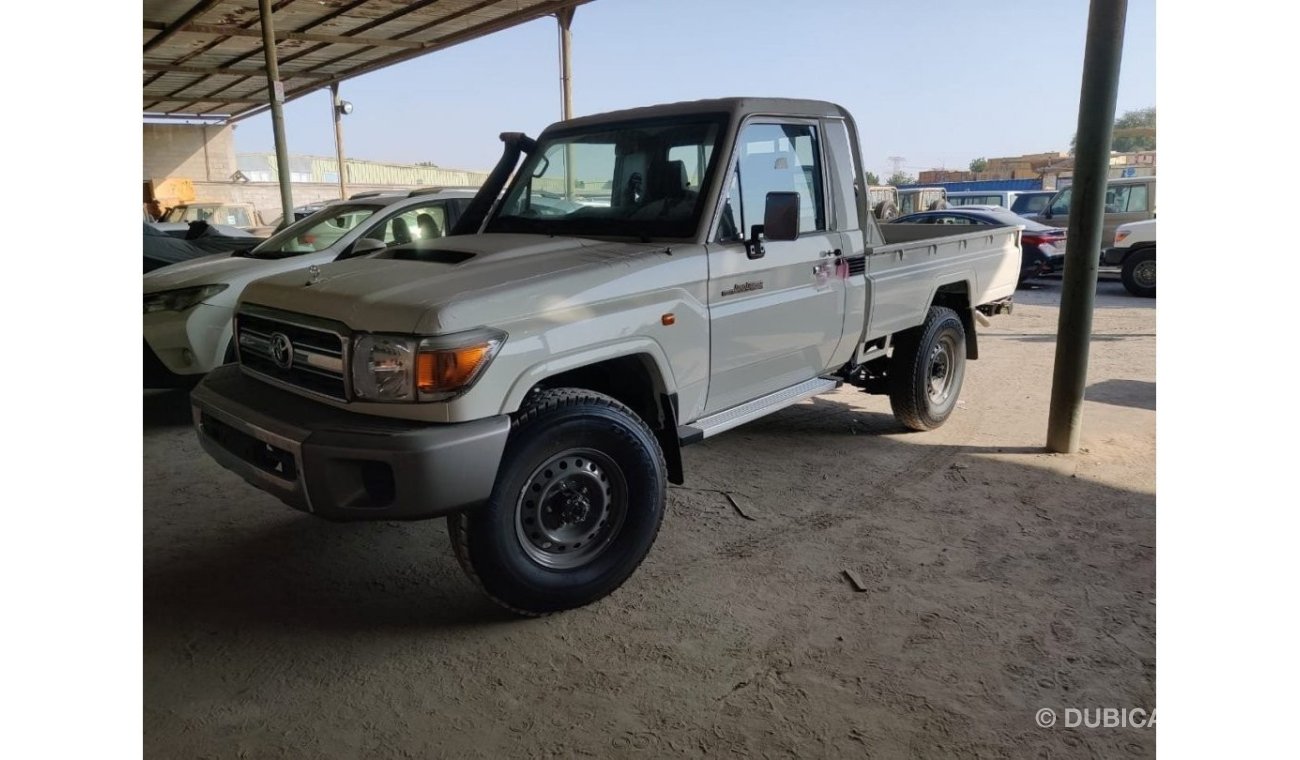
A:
[(1101, 60), (275, 91)]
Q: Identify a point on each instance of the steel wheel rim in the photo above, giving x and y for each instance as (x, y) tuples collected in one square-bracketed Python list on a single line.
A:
[(941, 372), (1144, 274), (571, 508)]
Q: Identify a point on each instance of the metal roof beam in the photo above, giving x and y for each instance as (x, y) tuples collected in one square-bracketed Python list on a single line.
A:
[(504, 22), (229, 70), (330, 39)]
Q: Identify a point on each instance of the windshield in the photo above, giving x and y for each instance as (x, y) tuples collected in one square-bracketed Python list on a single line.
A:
[(315, 233), (632, 180)]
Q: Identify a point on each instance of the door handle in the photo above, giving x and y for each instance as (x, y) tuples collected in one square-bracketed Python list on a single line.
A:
[(825, 254)]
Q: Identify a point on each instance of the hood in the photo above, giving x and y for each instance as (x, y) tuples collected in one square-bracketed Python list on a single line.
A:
[(223, 268), (499, 277)]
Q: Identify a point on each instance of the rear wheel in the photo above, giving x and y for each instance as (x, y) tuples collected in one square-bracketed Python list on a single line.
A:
[(927, 370), (575, 509), (1139, 273)]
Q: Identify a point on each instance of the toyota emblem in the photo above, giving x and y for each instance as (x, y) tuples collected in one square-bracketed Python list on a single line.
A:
[(281, 350)]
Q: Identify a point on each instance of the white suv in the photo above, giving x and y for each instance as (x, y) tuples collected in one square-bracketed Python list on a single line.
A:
[(188, 306)]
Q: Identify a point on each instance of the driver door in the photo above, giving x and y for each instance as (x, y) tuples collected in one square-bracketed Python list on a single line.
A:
[(775, 319)]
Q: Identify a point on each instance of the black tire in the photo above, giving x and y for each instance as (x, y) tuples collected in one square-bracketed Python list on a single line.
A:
[(885, 211), (1139, 273), (927, 369), (608, 453)]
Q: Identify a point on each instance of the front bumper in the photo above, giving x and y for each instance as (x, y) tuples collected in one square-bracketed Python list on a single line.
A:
[(1113, 257), (187, 343), (340, 465)]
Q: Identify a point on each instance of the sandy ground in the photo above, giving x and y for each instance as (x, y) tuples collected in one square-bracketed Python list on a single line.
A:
[(1000, 580)]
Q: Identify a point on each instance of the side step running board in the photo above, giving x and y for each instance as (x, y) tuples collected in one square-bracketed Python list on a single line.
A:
[(727, 419)]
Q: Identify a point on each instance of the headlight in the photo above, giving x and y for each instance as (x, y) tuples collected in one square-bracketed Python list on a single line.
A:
[(180, 300), (406, 368), (1121, 236)]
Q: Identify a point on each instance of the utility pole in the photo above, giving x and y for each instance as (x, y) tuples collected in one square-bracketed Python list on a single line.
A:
[(1101, 63)]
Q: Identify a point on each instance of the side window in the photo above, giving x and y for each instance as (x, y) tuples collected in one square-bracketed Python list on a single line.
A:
[(695, 158), (1137, 199), (1117, 199), (419, 223), (777, 158), (1061, 203)]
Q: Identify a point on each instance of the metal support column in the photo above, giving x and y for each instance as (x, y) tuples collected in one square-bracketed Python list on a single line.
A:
[(338, 138), (565, 19), (1101, 62), (275, 90)]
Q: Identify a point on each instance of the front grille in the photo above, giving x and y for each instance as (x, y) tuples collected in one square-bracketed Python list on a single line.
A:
[(318, 349)]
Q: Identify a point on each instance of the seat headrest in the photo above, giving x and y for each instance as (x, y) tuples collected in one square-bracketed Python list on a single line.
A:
[(669, 180), (401, 231), (428, 226)]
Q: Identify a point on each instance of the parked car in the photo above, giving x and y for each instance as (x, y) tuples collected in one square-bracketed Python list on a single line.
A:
[(1134, 253), (188, 306), (1030, 202), (1003, 198), (1131, 199), (535, 382), (1042, 248), (241, 215), (914, 199), (195, 240)]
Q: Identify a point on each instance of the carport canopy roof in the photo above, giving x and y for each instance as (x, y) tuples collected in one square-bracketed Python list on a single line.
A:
[(204, 58)]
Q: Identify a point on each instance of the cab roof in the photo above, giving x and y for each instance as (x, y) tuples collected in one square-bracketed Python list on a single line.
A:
[(737, 107)]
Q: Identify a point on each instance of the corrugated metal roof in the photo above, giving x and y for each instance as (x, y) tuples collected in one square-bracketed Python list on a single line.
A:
[(204, 57)]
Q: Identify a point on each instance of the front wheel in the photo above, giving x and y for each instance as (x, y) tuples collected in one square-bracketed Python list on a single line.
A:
[(1139, 273), (927, 369), (576, 506)]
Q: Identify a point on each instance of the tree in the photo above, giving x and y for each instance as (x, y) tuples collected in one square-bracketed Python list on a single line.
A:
[(979, 164), (1133, 131), (873, 178), (900, 178)]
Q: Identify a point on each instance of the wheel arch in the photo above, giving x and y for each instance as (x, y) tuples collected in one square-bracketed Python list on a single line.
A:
[(956, 296), (637, 376)]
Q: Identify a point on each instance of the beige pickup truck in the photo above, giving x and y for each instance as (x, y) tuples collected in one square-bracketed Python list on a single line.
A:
[(534, 376)]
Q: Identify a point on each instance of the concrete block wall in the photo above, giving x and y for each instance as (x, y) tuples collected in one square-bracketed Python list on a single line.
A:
[(192, 151)]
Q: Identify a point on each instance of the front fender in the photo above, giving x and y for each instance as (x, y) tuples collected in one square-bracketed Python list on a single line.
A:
[(665, 382)]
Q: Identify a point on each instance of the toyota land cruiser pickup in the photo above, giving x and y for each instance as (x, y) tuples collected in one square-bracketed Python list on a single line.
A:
[(647, 279)]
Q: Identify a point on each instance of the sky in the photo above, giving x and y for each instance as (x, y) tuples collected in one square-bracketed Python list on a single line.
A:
[(938, 83)]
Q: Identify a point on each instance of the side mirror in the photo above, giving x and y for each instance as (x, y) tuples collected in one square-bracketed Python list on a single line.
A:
[(363, 247), (754, 246), (781, 216)]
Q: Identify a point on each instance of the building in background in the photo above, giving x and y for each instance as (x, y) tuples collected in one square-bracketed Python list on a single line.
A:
[(1047, 171), (197, 163)]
